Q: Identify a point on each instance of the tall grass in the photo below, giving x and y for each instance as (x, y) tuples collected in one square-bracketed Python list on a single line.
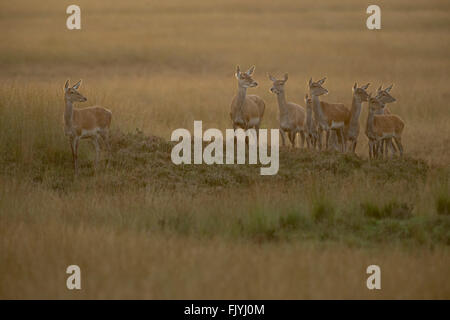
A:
[(148, 229)]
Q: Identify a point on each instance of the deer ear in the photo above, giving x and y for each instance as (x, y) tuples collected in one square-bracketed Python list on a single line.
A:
[(366, 86), (380, 88), (67, 84), (389, 88), (310, 81), (238, 72), (77, 85), (285, 77), (271, 78), (354, 86), (321, 81), (250, 71)]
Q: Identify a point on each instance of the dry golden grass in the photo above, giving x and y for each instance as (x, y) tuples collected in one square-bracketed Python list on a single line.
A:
[(159, 65), (124, 252)]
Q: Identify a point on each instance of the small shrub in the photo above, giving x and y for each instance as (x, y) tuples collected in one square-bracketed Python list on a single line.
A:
[(322, 211), (291, 220), (392, 209), (260, 225), (443, 205), (371, 210)]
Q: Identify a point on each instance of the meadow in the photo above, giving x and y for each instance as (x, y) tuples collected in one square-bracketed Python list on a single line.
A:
[(145, 228)]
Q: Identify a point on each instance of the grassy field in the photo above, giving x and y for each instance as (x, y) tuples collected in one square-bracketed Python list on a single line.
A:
[(145, 228)]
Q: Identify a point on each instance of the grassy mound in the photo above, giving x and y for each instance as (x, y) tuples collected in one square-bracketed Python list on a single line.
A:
[(139, 161)]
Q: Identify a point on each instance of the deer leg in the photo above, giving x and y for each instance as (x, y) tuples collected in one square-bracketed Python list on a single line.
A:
[(388, 146), (343, 142), (348, 144), (73, 151), (327, 138), (257, 133), (335, 140), (332, 140), (319, 138), (292, 135), (371, 149), (380, 150), (283, 138), (97, 151), (105, 137), (302, 135), (75, 154), (386, 143), (308, 141), (384, 148), (315, 139), (235, 138), (289, 135), (375, 149), (398, 141), (378, 154), (392, 147)]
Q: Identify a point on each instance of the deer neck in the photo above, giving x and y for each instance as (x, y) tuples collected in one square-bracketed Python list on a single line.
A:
[(369, 124), (355, 112), (381, 111), (68, 113), (309, 112), (242, 92), (317, 108), (281, 97)]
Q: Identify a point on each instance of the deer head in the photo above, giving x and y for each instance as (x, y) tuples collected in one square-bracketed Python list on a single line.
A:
[(360, 93), (278, 85), (245, 78), (308, 102), (316, 88), (71, 94), (384, 96), (375, 105)]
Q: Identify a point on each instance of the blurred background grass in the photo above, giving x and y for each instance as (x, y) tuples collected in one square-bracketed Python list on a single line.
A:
[(160, 65)]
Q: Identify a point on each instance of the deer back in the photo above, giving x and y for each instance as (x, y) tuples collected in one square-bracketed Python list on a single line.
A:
[(91, 118), (336, 112), (388, 124)]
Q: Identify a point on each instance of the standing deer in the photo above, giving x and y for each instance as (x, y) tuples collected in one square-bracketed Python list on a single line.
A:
[(87, 123), (385, 97), (352, 129), (382, 126), (292, 116), (311, 125), (330, 116), (247, 111)]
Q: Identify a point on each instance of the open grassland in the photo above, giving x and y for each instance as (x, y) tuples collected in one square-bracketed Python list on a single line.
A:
[(145, 228)]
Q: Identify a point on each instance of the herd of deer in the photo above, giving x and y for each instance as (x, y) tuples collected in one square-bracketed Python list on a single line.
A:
[(247, 112), (334, 118)]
